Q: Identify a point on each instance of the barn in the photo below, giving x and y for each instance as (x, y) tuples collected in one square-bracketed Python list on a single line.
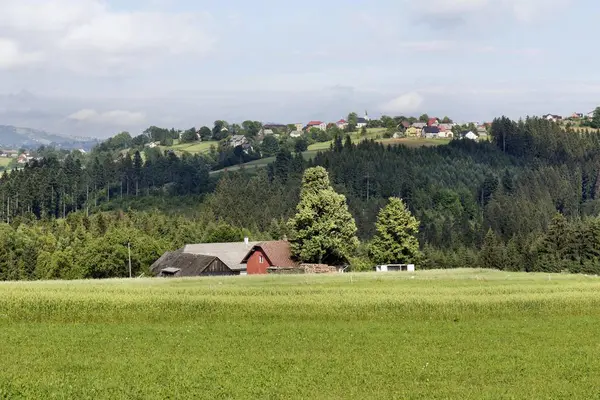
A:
[(268, 256), (204, 259)]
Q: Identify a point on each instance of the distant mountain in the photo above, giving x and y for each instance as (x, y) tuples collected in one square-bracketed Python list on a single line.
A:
[(14, 137)]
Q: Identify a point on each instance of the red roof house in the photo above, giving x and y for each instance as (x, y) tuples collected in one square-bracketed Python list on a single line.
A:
[(433, 122), (269, 255)]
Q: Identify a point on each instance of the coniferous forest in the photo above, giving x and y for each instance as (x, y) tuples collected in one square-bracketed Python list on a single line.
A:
[(528, 200)]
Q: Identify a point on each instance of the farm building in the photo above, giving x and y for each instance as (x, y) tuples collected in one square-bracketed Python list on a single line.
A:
[(205, 259), (395, 268), (267, 256)]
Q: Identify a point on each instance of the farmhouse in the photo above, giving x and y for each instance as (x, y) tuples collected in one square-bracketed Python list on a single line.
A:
[(342, 124), (431, 132), (433, 122), (552, 117), (269, 255), (238, 140), (316, 124), (205, 259), (469, 135)]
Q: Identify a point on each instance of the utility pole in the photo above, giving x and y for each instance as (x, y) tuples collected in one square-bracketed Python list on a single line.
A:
[(129, 252)]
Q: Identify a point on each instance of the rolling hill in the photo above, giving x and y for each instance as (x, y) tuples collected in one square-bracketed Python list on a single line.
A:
[(15, 137)]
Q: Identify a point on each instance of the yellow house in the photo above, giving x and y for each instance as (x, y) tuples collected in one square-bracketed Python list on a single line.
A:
[(412, 132)]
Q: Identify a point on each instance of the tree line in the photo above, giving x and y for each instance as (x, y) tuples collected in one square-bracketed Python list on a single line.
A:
[(502, 204)]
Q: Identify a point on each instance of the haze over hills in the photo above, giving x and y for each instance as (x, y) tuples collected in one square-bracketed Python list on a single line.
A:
[(15, 137)]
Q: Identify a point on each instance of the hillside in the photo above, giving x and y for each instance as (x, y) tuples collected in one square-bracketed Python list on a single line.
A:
[(16, 137), (461, 334)]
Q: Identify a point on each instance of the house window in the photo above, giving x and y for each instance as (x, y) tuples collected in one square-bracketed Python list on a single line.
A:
[(261, 259)]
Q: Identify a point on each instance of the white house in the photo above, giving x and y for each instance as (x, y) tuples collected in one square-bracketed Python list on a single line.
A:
[(317, 124), (342, 124), (470, 135)]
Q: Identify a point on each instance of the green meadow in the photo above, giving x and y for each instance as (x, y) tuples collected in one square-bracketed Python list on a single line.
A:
[(464, 334)]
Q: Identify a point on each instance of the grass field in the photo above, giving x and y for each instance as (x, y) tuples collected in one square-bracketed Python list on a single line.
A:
[(466, 334), (5, 162), (192, 148)]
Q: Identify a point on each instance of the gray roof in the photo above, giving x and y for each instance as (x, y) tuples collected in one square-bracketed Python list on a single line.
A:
[(171, 270), (230, 254), (419, 125)]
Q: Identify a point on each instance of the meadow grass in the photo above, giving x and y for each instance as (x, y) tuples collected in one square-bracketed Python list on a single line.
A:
[(193, 148), (465, 334)]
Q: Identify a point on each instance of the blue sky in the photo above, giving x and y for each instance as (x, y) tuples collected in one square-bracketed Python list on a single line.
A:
[(95, 67)]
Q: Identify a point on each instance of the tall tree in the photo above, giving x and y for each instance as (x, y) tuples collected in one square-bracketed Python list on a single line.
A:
[(323, 230), (395, 239), (352, 122)]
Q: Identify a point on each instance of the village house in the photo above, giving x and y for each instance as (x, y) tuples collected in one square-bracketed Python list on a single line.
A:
[(482, 132), (419, 125), (204, 259), (296, 134), (239, 140), (431, 132), (552, 117), (342, 124), (152, 145), (469, 135), (445, 134), (9, 153), (405, 124), (445, 127), (413, 131), (316, 124), (24, 158), (269, 256), (266, 132), (433, 122), (361, 123)]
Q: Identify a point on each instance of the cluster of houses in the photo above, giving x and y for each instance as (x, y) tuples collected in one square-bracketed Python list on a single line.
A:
[(245, 258), (576, 116), (22, 157)]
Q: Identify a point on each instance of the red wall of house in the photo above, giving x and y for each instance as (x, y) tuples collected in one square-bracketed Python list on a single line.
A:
[(254, 266)]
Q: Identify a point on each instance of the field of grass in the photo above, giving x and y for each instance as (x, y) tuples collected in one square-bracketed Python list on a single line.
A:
[(416, 142), (192, 148), (377, 134), (466, 334), (5, 162)]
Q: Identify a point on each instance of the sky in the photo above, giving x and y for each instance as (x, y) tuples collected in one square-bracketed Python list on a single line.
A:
[(98, 67)]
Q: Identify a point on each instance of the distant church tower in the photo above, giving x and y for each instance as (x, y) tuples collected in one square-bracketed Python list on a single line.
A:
[(367, 118)]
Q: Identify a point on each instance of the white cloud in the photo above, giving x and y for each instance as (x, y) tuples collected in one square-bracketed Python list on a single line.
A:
[(89, 37), (467, 11), (406, 103), (11, 55), (115, 117)]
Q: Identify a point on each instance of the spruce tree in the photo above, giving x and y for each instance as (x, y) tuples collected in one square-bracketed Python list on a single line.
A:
[(323, 230), (395, 241), (492, 252)]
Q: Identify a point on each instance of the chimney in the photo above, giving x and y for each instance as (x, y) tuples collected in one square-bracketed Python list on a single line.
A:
[(246, 241)]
